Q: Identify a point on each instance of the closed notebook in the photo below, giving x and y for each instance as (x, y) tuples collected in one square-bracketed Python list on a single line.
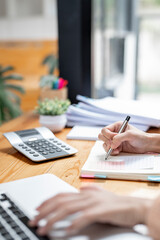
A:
[(125, 166), (84, 133)]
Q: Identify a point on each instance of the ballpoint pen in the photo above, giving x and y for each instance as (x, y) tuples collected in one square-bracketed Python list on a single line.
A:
[(122, 128)]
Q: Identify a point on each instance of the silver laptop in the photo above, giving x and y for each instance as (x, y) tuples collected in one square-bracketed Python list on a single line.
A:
[(18, 200)]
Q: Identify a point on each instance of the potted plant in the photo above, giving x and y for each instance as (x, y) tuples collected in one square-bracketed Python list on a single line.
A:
[(51, 85), (52, 113), (9, 101)]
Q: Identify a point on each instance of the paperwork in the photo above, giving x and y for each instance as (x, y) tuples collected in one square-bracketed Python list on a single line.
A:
[(102, 112), (141, 112), (124, 166)]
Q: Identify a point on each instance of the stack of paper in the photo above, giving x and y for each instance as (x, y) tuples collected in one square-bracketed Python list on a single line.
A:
[(102, 112)]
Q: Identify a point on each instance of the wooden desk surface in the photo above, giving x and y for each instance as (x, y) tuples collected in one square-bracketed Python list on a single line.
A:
[(13, 165)]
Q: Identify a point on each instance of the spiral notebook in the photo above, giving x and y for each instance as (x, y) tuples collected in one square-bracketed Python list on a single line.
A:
[(125, 166)]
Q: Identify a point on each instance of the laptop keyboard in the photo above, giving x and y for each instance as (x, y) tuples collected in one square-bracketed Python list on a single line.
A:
[(14, 223)]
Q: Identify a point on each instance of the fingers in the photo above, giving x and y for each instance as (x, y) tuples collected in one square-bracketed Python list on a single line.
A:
[(106, 136), (114, 151), (114, 127), (49, 206), (103, 138), (61, 206), (120, 138), (55, 198), (115, 141), (62, 213), (85, 219), (109, 136), (107, 133), (79, 206)]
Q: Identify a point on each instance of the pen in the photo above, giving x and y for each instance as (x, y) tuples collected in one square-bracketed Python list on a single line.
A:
[(122, 128)]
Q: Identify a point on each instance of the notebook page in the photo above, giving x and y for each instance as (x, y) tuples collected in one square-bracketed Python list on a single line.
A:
[(123, 162)]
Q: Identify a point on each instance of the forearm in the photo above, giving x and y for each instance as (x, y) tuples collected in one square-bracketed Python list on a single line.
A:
[(153, 142), (153, 219)]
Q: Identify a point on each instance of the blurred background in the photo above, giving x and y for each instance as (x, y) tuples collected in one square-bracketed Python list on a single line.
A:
[(104, 47)]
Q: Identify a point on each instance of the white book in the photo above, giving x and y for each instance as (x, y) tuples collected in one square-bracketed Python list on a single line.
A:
[(125, 166)]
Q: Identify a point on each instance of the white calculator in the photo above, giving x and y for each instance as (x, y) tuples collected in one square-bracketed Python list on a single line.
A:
[(39, 144)]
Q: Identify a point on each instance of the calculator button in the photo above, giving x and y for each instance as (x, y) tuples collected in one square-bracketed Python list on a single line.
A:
[(59, 143), (27, 149), (55, 141), (54, 147), (58, 150), (63, 146), (47, 149), (67, 148), (24, 147), (35, 155), (52, 151), (31, 152), (40, 144), (40, 150), (50, 145), (36, 148), (45, 153), (21, 145), (51, 139)]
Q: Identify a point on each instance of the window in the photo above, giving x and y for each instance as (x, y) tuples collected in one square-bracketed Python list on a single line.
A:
[(3, 11), (113, 47), (148, 71), (29, 8)]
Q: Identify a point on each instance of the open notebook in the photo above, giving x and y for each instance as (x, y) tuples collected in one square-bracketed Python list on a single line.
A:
[(124, 166)]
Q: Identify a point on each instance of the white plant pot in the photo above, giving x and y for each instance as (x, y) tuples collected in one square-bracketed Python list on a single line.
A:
[(54, 123)]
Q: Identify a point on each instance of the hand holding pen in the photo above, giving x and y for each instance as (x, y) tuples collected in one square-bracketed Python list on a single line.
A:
[(131, 140), (122, 128)]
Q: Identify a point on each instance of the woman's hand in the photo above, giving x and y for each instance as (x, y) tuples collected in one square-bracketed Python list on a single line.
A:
[(132, 140), (93, 205)]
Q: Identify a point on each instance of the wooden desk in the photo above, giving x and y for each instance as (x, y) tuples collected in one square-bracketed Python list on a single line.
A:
[(13, 165)]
